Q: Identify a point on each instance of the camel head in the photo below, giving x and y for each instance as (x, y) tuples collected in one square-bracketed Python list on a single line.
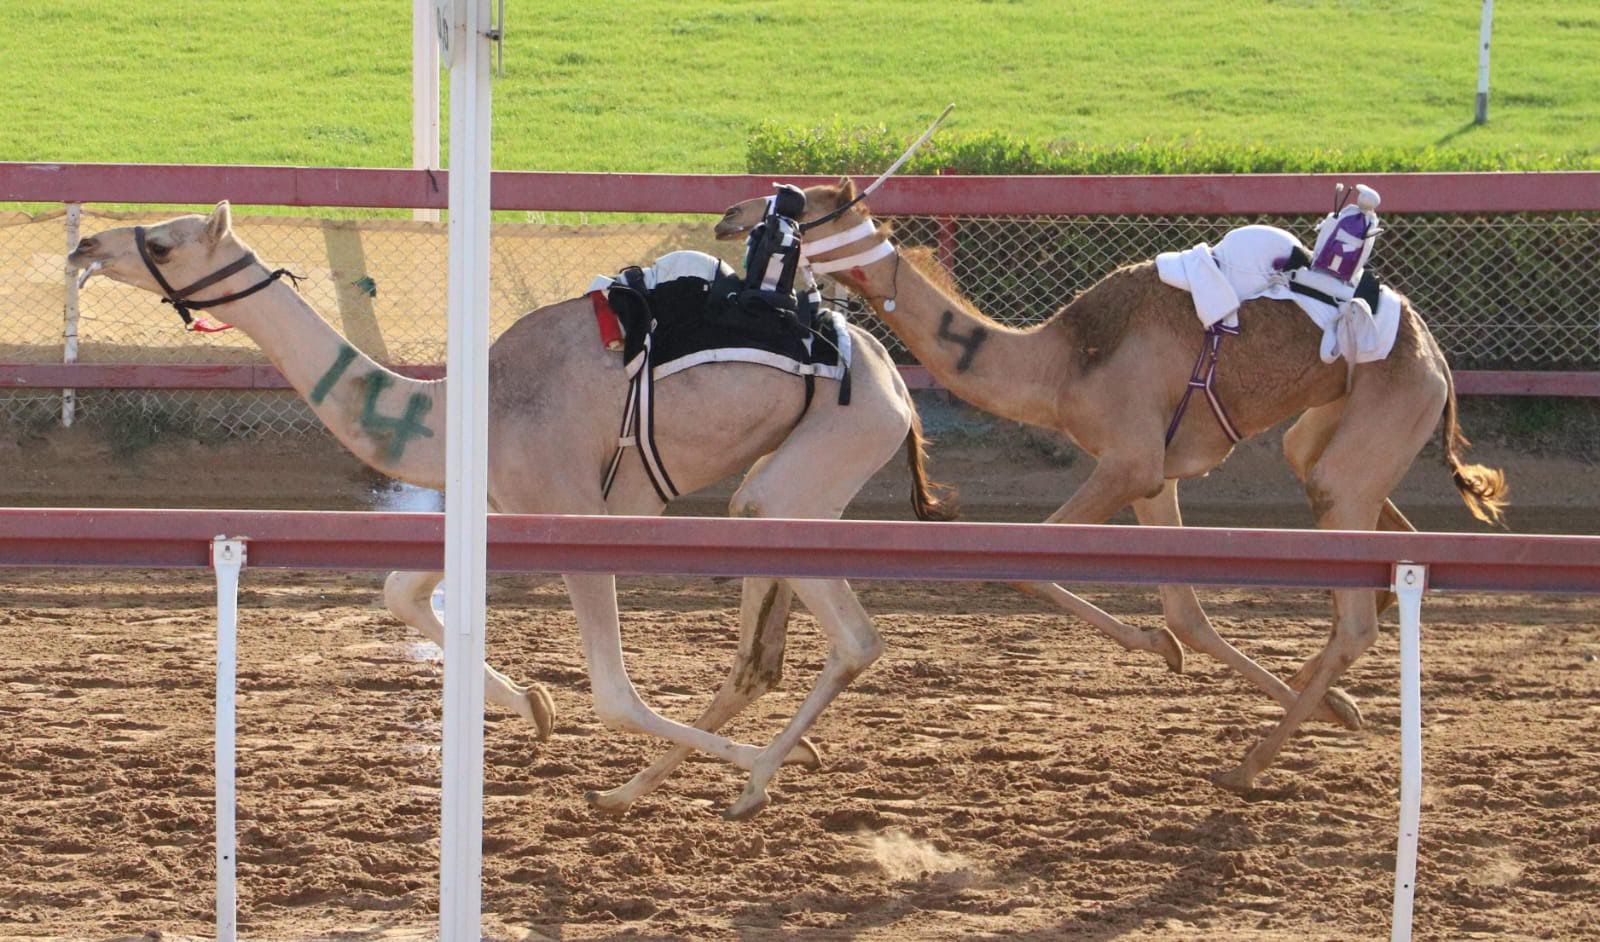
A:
[(185, 250), (820, 200), (851, 258), (189, 258)]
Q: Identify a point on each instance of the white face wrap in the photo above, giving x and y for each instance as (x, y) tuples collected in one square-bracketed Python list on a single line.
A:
[(855, 233), (865, 257)]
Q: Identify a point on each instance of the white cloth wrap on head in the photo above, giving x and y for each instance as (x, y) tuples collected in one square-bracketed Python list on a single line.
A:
[(855, 233), (865, 257), (859, 232)]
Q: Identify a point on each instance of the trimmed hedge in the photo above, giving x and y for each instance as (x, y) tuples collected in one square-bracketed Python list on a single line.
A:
[(840, 148)]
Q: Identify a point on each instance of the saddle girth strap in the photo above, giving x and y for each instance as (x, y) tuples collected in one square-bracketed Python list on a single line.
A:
[(1202, 377), (639, 411)]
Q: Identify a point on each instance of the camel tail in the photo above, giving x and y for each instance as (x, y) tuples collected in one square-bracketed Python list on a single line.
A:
[(929, 500), (1482, 488)]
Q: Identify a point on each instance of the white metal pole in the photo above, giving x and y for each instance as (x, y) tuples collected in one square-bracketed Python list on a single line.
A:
[(227, 556), (1485, 27), (424, 94), (1410, 581), (466, 491), (69, 330)]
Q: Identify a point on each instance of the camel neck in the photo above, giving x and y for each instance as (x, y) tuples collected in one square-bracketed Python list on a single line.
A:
[(391, 422), (1013, 373)]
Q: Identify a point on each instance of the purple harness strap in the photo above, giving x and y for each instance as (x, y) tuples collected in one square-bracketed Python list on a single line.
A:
[(1205, 371)]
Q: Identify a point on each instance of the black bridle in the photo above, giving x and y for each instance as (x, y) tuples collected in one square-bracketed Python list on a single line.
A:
[(180, 299)]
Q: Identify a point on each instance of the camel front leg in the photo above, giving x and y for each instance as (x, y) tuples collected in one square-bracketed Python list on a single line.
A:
[(757, 668), (853, 645), (1103, 494), (616, 701), (409, 595), (1189, 622)]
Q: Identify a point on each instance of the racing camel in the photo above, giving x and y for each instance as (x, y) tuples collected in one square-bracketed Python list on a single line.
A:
[(556, 394), (1109, 371)]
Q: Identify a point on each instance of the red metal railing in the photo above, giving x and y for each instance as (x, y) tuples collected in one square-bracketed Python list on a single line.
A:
[(809, 548), (1577, 191)]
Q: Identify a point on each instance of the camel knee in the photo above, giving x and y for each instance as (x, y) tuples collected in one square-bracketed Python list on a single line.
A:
[(758, 678), (746, 502), (859, 653), (620, 711)]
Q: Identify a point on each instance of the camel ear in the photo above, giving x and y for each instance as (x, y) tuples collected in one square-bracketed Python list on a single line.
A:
[(220, 222), (847, 189)]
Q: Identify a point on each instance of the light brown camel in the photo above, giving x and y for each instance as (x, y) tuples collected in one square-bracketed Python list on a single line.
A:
[(556, 400), (1109, 370)]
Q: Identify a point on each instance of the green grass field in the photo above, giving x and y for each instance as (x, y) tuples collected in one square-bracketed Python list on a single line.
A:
[(674, 85)]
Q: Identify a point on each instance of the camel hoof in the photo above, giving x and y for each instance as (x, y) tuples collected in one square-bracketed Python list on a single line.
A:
[(1166, 645), (748, 806), (607, 802), (541, 710), (1235, 780), (805, 754), (1343, 707)]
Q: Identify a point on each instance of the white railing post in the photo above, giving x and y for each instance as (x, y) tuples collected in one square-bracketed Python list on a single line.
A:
[(466, 492), (1410, 581), (69, 330), (424, 94), (1485, 31), (227, 557)]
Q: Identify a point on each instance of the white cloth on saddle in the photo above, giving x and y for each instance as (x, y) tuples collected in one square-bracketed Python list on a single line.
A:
[(1248, 263)]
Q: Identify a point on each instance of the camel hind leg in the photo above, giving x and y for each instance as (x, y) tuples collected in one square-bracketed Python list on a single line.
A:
[(857, 440), (757, 669), (1349, 483)]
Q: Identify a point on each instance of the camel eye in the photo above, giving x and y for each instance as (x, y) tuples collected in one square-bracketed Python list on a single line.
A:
[(159, 250)]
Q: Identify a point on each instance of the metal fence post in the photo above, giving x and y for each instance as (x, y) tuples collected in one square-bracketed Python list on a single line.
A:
[(69, 330), (1410, 581), (227, 557)]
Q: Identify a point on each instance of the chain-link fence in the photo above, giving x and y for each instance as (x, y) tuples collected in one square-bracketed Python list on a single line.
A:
[(1500, 291)]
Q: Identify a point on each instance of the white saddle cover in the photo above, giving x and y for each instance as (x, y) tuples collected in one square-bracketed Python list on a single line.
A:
[(1248, 263)]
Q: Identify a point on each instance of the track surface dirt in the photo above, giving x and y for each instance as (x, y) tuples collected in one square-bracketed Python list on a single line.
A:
[(1000, 773)]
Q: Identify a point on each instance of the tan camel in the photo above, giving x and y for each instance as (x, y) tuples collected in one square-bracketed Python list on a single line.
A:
[(556, 399), (1109, 369)]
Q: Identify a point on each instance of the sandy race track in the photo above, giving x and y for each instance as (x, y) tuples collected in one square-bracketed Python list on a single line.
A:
[(1000, 773)]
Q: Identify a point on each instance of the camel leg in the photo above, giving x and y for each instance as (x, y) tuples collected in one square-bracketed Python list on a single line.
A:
[(1349, 483), (757, 668), (1303, 444), (789, 483), (409, 596), (1189, 622), (853, 644), (1104, 493), (1158, 640), (616, 701)]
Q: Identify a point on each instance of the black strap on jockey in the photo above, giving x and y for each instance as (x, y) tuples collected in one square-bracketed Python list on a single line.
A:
[(180, 299)]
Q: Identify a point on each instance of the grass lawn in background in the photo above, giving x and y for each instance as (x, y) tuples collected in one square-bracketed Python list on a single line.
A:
[(669, 85)]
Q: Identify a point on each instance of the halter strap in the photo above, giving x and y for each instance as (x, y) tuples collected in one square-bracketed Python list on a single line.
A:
[(180, 299)]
